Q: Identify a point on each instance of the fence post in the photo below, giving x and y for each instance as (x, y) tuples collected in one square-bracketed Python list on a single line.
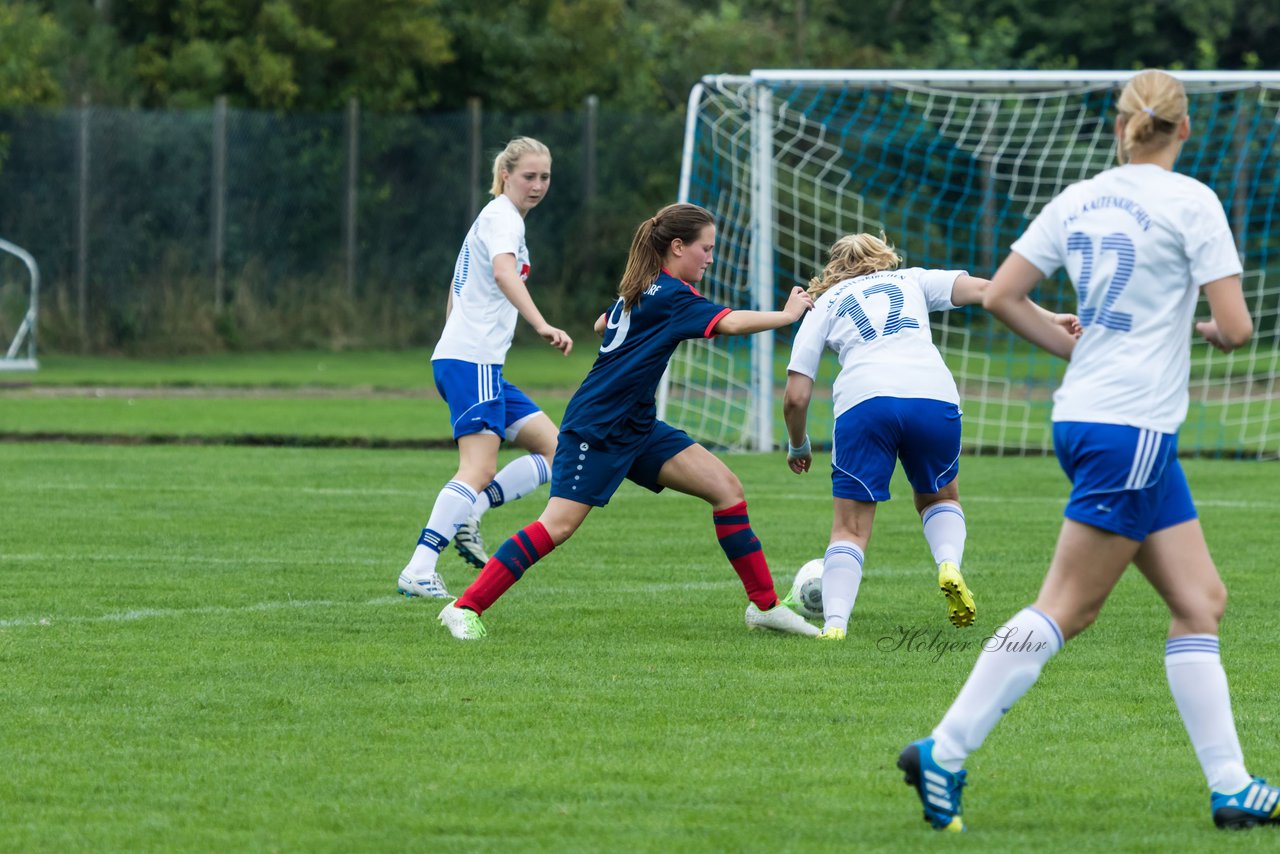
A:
[(82, 221), (352, 197), (477, 166), (589, 138), (218, 215)]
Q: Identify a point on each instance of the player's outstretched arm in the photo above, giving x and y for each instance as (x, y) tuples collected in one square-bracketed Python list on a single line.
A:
[(971, 290), (1007, 298), (795, 412), (1230, 326), (600, 324), (514, 289), (744, 322)]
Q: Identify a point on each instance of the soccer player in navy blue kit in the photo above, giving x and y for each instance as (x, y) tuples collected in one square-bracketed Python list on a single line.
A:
[(611, 430)]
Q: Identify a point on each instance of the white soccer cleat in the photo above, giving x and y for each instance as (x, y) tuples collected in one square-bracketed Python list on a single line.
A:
[(469, 544), (779, 618), (461, 623), (430, 586)]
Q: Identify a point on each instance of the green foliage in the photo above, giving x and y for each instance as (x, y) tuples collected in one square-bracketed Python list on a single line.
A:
[(30, 42), (286, 54), (404, 55)]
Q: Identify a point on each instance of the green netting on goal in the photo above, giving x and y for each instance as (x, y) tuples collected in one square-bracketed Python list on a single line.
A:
[(952, 168)]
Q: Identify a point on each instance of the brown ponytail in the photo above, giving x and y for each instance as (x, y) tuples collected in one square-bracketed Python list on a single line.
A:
[(652, 239)]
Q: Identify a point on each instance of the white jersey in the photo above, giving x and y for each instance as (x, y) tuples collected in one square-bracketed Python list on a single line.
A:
[(483, 320), (878, 325), (1138, 242)]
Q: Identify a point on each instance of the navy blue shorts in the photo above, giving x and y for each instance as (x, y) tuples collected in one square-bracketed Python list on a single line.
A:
[(1125, 480), (872, 436), (590, 475), (479, 398)]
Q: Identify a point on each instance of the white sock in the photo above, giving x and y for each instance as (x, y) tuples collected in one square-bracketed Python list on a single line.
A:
[(1009, 664), (516, 480), (945, 531), (1199, 686), (841, 575), (452, 507)]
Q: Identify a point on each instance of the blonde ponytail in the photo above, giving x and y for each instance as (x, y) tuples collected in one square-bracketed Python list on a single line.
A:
[(1151, 107)]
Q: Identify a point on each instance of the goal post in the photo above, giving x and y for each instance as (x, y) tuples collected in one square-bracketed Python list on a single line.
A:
[(952, 166), (20, 355)]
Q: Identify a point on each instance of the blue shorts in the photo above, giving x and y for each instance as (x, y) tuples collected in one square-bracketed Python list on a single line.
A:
[(1125, 480), (479, 398), (589, 475), (872, 436)]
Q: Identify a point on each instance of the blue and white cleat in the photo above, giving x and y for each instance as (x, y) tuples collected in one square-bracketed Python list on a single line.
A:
[(1256, 803), (430, 586), (938, 788)]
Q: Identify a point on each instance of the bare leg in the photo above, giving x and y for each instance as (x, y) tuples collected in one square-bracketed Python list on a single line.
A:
[(696, 471), (1086, 565)]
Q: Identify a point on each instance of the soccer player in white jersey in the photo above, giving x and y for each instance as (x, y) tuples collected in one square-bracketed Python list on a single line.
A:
[(894, 398), (1140, 243), (486, 296)]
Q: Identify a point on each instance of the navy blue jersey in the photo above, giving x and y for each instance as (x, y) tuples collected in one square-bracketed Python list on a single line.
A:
[(615, 403)]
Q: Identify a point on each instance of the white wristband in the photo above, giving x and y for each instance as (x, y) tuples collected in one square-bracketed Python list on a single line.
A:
[(802, 451)]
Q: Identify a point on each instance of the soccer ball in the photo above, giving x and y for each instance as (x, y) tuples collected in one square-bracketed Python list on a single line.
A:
[(806, 590)]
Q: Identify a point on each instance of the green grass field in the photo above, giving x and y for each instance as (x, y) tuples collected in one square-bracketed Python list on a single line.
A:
[(202, 650)]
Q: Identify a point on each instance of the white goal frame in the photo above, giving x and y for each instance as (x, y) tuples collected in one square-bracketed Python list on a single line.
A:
[(760, 432), (21, 353)]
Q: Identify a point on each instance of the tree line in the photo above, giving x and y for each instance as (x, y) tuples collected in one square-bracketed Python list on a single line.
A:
[(639, 55)]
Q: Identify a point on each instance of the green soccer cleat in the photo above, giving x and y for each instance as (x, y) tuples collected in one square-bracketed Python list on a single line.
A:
[(960, 608), (462, 623), (832, 634)]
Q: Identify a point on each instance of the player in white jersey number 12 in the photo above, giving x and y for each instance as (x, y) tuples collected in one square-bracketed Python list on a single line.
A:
[(894, 399), (1140, 243)]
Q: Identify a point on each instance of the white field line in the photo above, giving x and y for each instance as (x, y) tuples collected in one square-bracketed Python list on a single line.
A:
[(196, 560), (816, 496), (552, 591), (161, 613)]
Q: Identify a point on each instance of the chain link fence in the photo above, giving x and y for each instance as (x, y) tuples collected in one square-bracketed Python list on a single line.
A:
[(191, 231)]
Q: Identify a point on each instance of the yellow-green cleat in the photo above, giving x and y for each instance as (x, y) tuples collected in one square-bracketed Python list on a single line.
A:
[(960, 608), (832, 634)]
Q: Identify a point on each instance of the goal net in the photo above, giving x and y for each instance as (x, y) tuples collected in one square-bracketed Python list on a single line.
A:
[(953, 166)]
